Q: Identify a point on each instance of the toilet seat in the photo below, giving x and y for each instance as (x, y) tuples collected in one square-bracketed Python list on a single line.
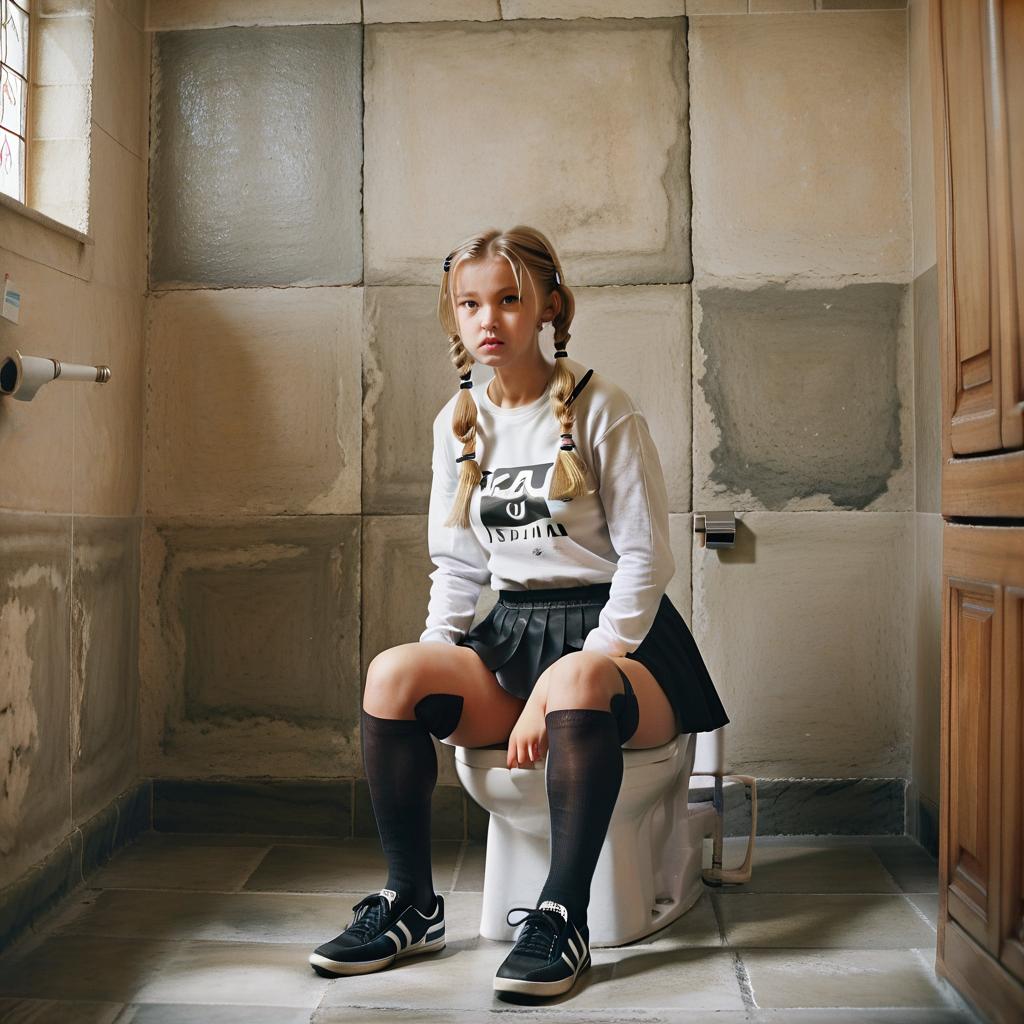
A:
[(496, 756)]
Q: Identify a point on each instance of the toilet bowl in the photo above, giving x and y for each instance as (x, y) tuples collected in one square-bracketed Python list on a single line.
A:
[(649, 869)]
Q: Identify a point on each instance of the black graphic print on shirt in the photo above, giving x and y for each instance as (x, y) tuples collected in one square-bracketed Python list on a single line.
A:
[(514, 497)]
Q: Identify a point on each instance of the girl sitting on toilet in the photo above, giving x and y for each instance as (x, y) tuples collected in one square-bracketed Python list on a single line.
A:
[(547, 485)]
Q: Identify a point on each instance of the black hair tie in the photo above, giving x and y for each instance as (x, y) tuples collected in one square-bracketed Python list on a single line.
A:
[(465, 384), (468, 455), (567, 447), (561, 354)]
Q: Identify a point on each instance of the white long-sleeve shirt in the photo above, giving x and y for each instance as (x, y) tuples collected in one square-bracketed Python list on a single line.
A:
[(519, 539)]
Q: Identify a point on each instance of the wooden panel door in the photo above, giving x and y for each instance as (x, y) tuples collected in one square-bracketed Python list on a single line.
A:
[(1009, 165), (1011, 915), (972, 625), (972, 400), (978, 119), (979, 947)]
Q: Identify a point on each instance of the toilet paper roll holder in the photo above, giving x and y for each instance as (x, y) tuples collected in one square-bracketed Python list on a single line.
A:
[(715, 529), (21, 376)]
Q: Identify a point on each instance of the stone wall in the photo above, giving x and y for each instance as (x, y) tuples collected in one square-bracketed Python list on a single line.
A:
[(71, 478), (730, 194), (204, 554)]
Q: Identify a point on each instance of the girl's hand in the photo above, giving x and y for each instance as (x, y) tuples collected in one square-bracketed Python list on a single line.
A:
[(528, 741)]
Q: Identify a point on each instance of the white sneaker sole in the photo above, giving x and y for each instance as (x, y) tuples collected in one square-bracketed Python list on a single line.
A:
[(540, 988), (342, 967)]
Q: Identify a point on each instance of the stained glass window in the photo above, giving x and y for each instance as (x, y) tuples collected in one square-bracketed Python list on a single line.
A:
[(13, 95)]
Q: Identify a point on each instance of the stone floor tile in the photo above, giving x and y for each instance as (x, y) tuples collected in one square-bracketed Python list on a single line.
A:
[(809, 869), (903, 1015), (630, 978), (55, 1011), (562, 1014), (697, 927), (358, 865), (210, 868), (655, 978), (178, 840), (840, 978), (190, 1013), (470, 877), (459, 977), (821, 921), (84, 967), (259, 973), (913, 868), (928, 904), (237, 917)]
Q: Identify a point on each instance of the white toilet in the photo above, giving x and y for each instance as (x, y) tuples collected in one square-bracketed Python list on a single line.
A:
[(649, 869)]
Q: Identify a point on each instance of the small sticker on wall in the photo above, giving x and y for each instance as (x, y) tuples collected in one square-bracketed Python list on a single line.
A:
[(11, 306)]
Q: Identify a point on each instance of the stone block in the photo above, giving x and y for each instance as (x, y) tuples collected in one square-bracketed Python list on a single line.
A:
[(399, 406), (927, 724), (250, 647), (256, 145), (570, 9), (35, 594), (609, 186), (117, 214), (800, 131), (120, 100), (376, 11), (922, 155), (927, 393), (271, 423), (108, 417), (37, 437), (177, 14), (105, 662), (803, 398), (806, 627)]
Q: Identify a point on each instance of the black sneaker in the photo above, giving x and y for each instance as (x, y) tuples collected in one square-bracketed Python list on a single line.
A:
[(548, 956), (379, 935)]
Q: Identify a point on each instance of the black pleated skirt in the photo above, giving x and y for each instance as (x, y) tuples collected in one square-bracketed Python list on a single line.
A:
[(527, 631)]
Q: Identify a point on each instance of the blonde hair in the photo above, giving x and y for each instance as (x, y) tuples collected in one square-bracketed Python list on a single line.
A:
[(528, 253)]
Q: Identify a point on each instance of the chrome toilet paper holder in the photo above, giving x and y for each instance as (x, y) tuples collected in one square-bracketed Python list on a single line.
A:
[(716, 529)]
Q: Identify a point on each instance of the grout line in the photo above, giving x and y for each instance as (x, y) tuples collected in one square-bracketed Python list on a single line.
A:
[(743, 980), (458, 865)]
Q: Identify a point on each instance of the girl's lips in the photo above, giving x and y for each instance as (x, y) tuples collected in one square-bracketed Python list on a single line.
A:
[(491, 344)]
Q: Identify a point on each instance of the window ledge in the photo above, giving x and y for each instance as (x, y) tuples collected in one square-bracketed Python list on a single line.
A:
[(40, 238)]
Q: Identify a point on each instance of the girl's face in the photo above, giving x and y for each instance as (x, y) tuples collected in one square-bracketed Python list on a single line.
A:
[(487, 305)]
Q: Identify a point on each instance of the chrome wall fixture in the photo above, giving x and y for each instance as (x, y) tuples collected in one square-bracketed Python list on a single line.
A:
[(716, 529), (22, 376)]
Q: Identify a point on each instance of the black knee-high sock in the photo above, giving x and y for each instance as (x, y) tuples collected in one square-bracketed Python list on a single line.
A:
[(584, 774), (401, 770)]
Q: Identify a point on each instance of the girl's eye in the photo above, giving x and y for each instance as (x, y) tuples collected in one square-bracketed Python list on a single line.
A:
[(471, 302)]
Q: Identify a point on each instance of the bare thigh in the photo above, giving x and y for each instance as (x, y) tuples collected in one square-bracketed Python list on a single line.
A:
[(586, 679), (401, 676)]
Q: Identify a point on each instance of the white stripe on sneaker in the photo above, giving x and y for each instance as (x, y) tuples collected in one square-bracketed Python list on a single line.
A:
[(572, 946), (572, 966), (396, 940), (405, 932)]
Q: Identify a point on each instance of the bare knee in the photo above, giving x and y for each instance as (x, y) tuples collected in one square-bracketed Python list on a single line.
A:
[(394, 682), (583, 679)]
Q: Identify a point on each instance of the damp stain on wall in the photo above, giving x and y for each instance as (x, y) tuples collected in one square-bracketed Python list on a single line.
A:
[(802, 385)]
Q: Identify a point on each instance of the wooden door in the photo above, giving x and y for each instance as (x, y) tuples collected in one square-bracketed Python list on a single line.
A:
[(978, 112), (978, 109)]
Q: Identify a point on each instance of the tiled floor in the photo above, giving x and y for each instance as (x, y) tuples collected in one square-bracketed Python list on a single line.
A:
[(216, 929)]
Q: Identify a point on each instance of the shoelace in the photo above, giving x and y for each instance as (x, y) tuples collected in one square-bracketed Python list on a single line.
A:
[(369, 913), (539, 934)]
